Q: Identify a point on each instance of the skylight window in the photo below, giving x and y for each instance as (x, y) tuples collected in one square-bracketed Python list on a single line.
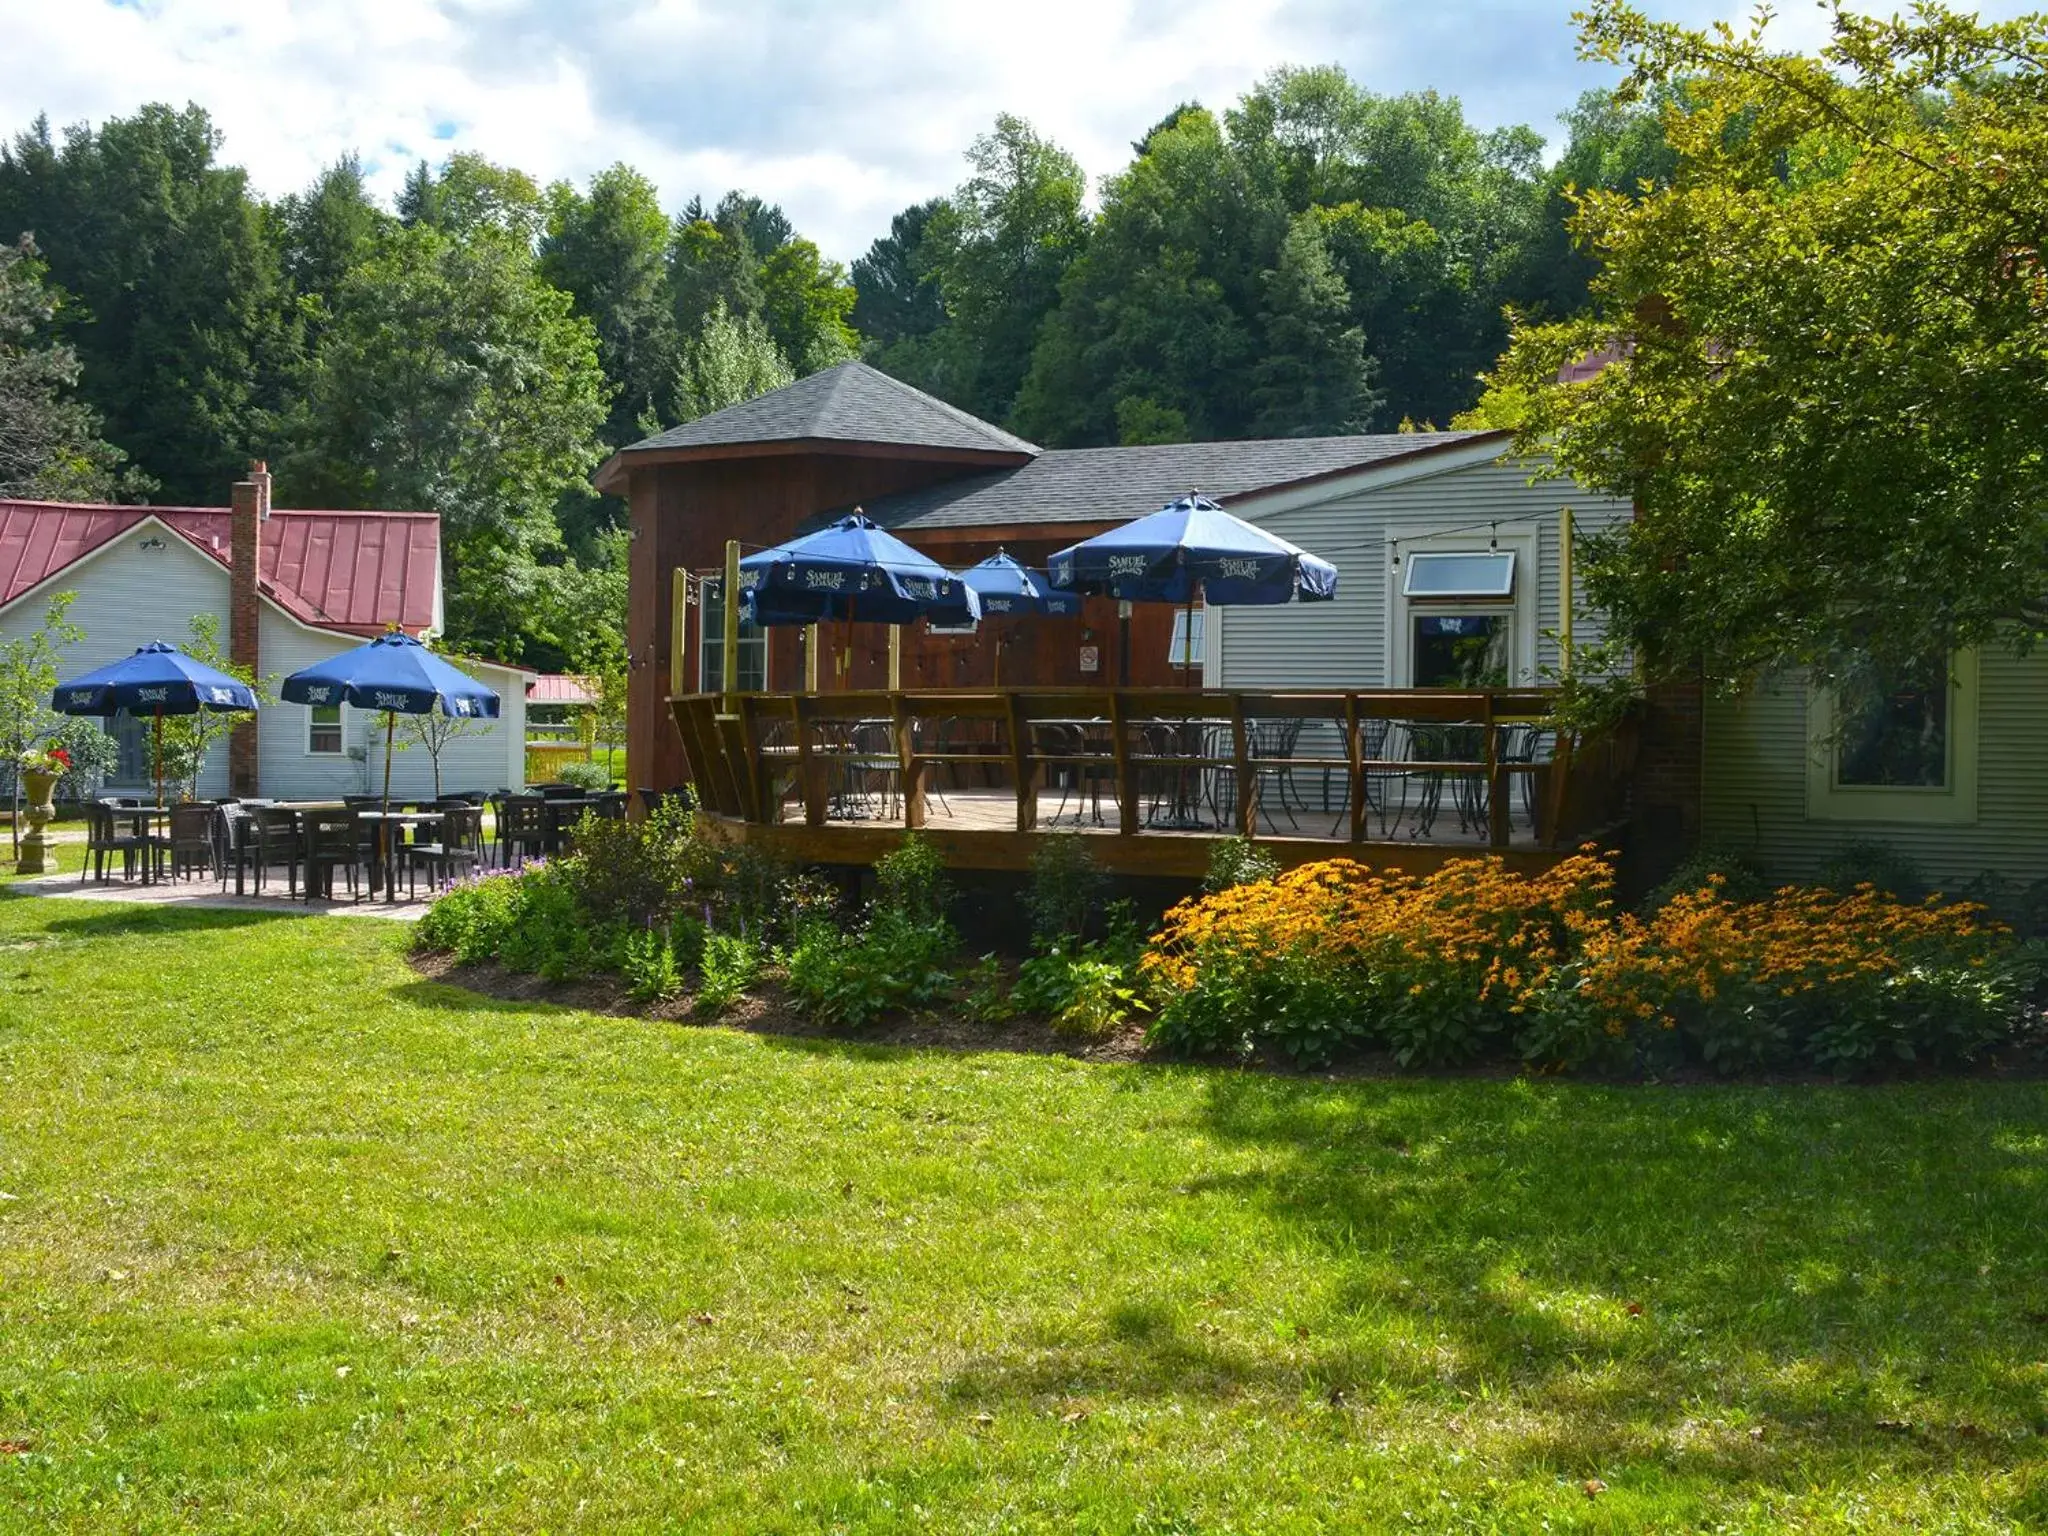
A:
[(1480, 573)]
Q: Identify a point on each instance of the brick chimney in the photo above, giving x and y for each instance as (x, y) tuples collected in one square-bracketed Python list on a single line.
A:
[(251, 509)]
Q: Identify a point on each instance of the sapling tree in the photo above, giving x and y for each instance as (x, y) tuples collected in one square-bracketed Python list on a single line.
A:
[(29, 674)]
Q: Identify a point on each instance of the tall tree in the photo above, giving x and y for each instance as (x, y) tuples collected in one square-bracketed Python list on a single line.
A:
[(322, 233), (1315, 378), (1006, 239), (50, 445), (454, 379), (608, 249), (897, 292), (1829, 391), (733, 358), (175, 305), (1161, 309)]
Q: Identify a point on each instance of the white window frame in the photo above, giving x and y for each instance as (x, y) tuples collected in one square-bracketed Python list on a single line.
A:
[(1180, 654), (1953, 803), (341, 722), (1409, 566), (708, 636), (1522, 608)]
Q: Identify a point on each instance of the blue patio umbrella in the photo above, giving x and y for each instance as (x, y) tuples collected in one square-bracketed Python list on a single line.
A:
[(395, 674), (1188, 546), (156, 680), (1007, 588), (855, 571)]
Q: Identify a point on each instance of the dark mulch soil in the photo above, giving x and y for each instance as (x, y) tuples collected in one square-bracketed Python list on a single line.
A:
[(767, 1011)]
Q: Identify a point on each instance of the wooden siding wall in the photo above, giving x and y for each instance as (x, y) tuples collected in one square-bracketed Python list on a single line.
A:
[(1345, 644), (682, 514), (1754, 797)]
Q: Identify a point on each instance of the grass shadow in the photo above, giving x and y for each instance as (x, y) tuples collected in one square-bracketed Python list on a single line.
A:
[(132, 918)]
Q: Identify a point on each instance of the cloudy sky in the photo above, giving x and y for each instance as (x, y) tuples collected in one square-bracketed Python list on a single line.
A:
[(843, 112)]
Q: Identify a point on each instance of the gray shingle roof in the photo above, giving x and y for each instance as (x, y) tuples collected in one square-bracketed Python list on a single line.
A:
[(1087, 485), (849, 403)]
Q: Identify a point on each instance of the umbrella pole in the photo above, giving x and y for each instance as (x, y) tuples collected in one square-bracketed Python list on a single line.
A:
[(390, 725), (1188, 639), (159, 753)]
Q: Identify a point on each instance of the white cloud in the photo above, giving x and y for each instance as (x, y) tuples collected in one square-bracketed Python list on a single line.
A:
[(841, 110)]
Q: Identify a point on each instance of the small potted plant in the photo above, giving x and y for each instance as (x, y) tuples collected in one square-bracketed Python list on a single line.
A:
[(40, 771)]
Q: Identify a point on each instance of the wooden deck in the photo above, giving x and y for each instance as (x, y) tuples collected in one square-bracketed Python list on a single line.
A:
[(1155, 777)]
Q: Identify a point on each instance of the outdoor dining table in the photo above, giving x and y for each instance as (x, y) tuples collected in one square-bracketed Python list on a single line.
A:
[(564, 813), (143, 819), (386, 858)]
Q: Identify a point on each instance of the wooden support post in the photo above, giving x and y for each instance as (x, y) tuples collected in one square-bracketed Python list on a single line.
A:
[(763, 802), (912, 766), (1120, 749), (1241, 762), (895, 657), (1496, 783), (1565, 540), (730, 681), (1021, 765), (678, 629), (1354, 760), (810, 771)]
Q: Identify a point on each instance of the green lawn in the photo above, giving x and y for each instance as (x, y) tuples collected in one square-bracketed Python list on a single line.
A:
[(292, 1240)]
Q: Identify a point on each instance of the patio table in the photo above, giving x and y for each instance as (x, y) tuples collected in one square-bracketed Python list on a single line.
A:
[(386, 857), (563, 812), (144, 819)]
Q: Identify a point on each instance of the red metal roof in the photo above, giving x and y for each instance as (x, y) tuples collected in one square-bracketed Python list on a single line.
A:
[(561, 688), (358, 572)]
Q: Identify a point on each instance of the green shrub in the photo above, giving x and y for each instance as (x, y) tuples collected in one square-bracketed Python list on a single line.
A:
[(729, 970), (470, 919), (590, 777), (985, 995), (1741, 878), (649, 966), (633, 872), (1867, 861), (1238, 861), (1101, 999), (911, 881), (849, 980), (1089, 990), (1066, 891)]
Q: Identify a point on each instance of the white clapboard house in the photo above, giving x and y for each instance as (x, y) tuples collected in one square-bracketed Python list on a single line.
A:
[(321, 583)]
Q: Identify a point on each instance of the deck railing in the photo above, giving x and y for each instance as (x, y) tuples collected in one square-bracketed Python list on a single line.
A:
[(757, 756)]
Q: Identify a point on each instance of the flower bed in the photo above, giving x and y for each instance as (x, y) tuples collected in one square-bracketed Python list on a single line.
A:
[(1476, 961), (1327, 962)]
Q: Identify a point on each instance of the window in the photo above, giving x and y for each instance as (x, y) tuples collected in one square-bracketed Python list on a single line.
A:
[(932, 628), (1458, 650), (1185, 649), (323, 730), (132, 756), (1895, 744), (1477, 573), (753, 667)]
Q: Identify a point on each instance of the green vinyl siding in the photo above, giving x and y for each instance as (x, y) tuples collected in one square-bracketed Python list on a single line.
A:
[(1754, 797)]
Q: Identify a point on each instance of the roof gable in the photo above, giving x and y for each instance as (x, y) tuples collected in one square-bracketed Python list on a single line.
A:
[(356, 572), (850, 403)]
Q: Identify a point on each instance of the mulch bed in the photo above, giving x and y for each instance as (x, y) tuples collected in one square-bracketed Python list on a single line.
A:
[(767, 1011)]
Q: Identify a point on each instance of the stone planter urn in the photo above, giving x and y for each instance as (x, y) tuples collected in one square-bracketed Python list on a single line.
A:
[(42, 810)]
